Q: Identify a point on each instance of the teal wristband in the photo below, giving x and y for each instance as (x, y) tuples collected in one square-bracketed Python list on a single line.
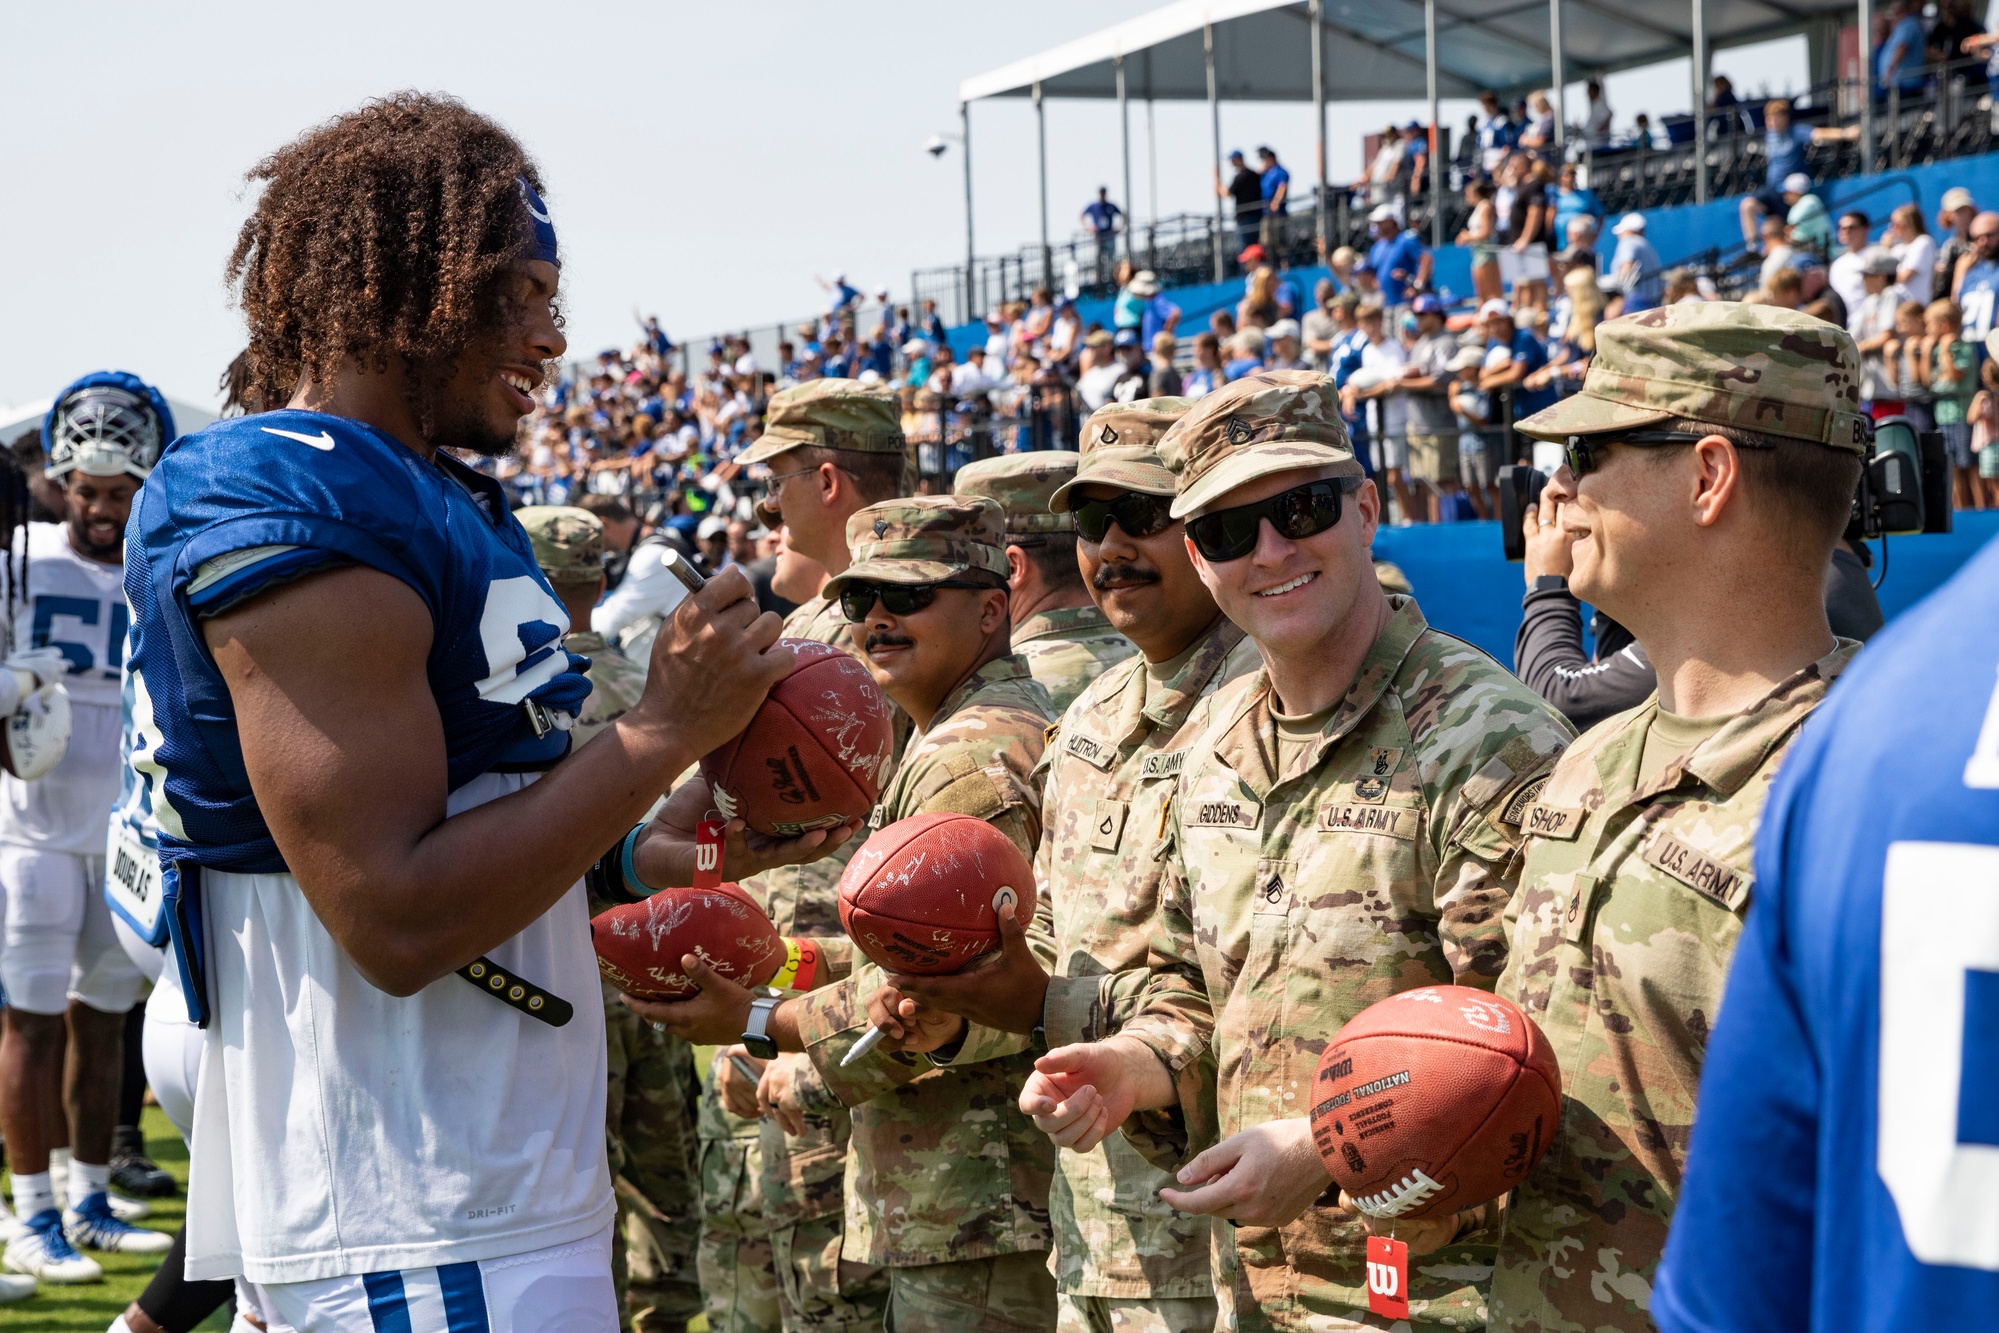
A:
[(635, 888)]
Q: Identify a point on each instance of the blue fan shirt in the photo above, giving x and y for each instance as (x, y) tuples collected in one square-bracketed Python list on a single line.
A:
[(1844, 1169)]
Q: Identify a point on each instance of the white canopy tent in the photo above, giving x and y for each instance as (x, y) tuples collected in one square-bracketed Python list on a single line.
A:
[(1386, 50)]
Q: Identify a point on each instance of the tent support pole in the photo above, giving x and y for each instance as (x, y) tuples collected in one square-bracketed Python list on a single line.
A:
[(971, 262), (1319, 117), (1700, 101), (1561, 80), (1866, 35), (1215, 127), (1124, 140), (1041, 152), (1430, 85)]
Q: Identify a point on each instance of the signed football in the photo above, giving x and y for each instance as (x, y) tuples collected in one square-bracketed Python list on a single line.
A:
[(1434, 1100), (923, 896), (639, 945), (816, 753)]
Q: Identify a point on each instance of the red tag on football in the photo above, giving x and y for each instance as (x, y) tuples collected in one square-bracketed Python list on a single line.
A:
[(1434, 1100), (923, 895), (639, 945), (816, 753)]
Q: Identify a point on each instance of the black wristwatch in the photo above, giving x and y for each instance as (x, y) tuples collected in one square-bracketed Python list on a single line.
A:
[(756, 1037), (1550, 583)]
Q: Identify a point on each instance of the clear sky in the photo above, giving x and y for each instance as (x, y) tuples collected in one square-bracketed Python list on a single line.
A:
[(704, 161)]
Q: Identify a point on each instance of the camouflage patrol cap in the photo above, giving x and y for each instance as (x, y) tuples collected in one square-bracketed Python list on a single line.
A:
[(922, 539), (832, 414), (1276, 421), (1120, 444), (568, 542), (1021, 485), (1758, 368)]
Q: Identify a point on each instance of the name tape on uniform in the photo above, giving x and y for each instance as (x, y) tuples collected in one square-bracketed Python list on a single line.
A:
[(1703, 874), (1225, 814), (1391, 821), (1090, 750), (1552, 821)]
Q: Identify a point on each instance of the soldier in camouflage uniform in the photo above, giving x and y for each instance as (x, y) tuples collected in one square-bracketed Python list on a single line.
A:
[(649, 1101), (948, 1181), (834, 446), (1057, 629), (1124, 1260), (1345, 828), (1639, 852)]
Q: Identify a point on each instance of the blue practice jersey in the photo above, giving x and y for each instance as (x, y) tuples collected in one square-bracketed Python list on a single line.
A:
[(258, 500), (1844, 1169)]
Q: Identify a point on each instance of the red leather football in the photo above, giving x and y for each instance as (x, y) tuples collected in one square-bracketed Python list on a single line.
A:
[(923, 895), (1435, 1100), (639, 945), (816, 753)]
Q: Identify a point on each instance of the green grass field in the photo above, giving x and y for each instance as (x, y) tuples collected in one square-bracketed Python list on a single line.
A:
[(90, 1309)]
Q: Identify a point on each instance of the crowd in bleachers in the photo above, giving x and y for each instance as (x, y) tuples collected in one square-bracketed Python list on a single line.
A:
[(1431, 380)]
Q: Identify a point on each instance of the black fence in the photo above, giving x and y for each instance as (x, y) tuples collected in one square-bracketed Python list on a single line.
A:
[(1945, 111)]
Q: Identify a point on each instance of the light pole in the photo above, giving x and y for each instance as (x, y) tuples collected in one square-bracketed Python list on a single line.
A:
[(936, 147)]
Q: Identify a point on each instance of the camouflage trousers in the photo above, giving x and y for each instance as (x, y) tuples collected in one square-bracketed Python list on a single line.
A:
[(804, 1205), (1143, 1314), (738, 1279), (1004, 1294), (650, 1141)]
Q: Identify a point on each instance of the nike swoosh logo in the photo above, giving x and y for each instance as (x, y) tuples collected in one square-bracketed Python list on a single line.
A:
[(319, 441)]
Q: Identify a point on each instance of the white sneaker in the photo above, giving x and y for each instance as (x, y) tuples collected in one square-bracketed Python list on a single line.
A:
[(10, 1225), (128, 1210), (15, 1287), (95, 1227), (43, 1251)]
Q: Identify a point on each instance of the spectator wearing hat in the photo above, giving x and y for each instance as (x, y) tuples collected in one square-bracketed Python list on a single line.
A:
[(1286, 347), (1512, 354), (1141, 305), (1806, 217), (1247, 351), (1872, 326), (916, 352), (1634, 265), (1134, 365), (1954, 217), (1245, 189), (1415, 157), (1400, 261), (1274, 184), (1432, 423), (1784, 145), (1099, 368), (1102, 216)]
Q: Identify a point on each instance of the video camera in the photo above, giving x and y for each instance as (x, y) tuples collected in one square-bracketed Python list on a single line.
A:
[(1904, 489)]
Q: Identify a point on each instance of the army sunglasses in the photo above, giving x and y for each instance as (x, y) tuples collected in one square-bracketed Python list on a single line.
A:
[(1584, 453), (1136, 513), (901, 599), (1301, 512)]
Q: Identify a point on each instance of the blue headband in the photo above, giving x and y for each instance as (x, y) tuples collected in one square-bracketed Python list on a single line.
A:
[(544, 230)]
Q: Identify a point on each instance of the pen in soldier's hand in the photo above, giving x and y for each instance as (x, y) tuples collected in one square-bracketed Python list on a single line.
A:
[(869, 1040)]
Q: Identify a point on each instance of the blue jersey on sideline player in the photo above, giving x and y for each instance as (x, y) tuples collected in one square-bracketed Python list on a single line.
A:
[(1844, 1169)]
